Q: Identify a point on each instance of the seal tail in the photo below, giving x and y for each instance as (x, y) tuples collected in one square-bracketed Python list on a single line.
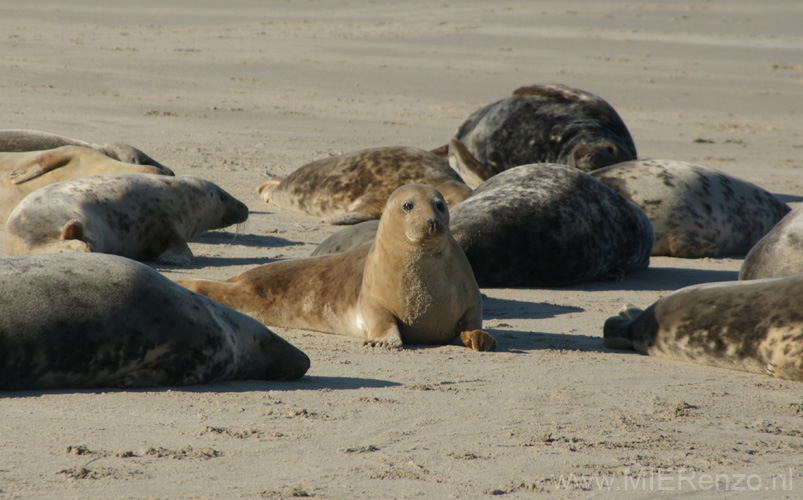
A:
[(470, 169), (267, 187), (616, 331)]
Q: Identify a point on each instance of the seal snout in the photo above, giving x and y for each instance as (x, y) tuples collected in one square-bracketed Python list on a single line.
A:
[(434, 225)]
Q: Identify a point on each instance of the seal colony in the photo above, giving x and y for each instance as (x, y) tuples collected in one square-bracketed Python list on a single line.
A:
[(779, 252), (542, 124), (696, 211), (354, 187), (92, 320), (24, 173), (754, 326), (143, 217), (412, 285)]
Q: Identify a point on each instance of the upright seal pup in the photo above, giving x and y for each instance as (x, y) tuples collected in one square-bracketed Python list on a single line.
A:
[(354, 187), (19, 140), (696, 211), (24, 173), (541, 124), (93, 320), (412, 285), (143, 217), (779, 252), (754, 326)]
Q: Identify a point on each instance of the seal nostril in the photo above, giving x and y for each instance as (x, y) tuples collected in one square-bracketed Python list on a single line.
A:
[(433, 224)]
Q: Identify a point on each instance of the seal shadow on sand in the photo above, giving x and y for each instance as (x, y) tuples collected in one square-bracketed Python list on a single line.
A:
[(242, 239), (306, 383), (656, 279), (788, 198), (519, 341)]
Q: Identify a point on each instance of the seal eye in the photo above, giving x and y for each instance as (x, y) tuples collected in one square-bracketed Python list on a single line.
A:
[(407, 206), (440, 206)]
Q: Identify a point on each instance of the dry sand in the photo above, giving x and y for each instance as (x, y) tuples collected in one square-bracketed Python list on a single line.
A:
[(232, 91)]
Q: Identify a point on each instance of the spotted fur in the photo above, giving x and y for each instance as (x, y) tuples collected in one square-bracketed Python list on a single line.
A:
[(754, 326), (354, 187), (94, 320), (143, 217), (779, 252), (696, 211), (543, 124)]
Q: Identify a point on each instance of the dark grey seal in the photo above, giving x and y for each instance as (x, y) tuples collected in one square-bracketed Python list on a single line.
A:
[(542, 124), (93, 320)]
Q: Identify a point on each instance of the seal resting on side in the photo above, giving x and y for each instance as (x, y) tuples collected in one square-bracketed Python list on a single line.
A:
[(696, 211), (539, 225), (24, 173), (779, 252), (541, 124), (412, 285), (354, 187), (93, 320), (754, 326), (143, 217), (19, 140)]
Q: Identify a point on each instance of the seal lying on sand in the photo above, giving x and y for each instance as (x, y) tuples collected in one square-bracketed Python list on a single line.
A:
[(24, 173), (413, 285), (779, 252), (354, 187), (92, 320), (542, 124), (754, 326), (695, 211), (18, 140), (539, 225), (143, 217)]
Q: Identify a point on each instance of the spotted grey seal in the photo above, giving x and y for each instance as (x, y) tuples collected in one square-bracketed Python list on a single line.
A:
[(779, 252)]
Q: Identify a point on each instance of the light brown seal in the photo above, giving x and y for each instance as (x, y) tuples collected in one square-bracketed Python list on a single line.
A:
[(94, 320), (696, 211), (20, 140), (143, 217), (754, 326), (412, 285), (24, 173), (541, 124), (354, 187), (779, 252)]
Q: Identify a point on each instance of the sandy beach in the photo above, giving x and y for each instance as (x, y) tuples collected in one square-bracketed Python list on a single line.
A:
[(236, 91)]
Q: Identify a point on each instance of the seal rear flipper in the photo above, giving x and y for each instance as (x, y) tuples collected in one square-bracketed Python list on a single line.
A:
[(441, 152), (690, 246), (267, 187), (42, 164), (616, 331), (470, 169), (478, 340)]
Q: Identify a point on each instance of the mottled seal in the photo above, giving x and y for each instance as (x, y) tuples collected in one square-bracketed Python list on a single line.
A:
[(354, 187), (754, 326), (696, 211), (94, 320), (542, 124), (779, 252), (412, 285), (539, 225), (143, 217), (24, 173), (19, 140)]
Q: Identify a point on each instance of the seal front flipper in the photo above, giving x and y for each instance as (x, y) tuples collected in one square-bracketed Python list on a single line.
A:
[(179, 254), (478, 340), (42, 164), (267, 187), (687, 245), (381, 328)]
